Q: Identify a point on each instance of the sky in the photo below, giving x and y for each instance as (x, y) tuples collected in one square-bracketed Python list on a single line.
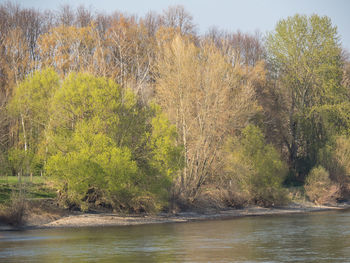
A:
[(231, 15)]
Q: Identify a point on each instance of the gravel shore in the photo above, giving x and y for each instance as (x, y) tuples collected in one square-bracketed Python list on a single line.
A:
[(109, 219)]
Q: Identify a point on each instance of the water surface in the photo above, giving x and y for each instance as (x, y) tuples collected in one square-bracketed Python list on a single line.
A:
[(314, 237)]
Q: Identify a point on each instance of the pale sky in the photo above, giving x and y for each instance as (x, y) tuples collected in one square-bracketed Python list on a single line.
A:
[(231, 15)]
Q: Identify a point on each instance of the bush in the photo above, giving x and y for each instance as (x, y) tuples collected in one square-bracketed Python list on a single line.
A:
[(342, 160), (256, 167), (335, 157), (214, 197), (319, 187), (14, 214)]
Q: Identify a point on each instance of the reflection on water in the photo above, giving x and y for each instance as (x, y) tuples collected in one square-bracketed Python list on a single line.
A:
[(317, 237)]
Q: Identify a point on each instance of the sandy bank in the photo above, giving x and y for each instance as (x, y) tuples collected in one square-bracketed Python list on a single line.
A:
[(105, 219)]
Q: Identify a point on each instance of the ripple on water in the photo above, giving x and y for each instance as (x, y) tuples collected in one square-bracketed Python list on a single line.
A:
[(316, 237)]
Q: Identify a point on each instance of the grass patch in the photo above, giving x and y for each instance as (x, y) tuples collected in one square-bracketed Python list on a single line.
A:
[(5, 193), (38, 188), (26, 179)]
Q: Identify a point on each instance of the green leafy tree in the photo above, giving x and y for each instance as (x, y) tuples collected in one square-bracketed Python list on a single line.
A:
[(305, 62), (101, 138), (29, 106)]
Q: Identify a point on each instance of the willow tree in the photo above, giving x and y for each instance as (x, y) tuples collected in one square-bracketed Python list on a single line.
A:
[(305, 62), (207, 98), (102, 140)]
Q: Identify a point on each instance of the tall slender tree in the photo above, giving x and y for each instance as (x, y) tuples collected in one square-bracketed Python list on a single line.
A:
[(305, 64)]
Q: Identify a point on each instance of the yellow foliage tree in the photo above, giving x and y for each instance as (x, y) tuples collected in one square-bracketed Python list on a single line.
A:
[(207, 98)]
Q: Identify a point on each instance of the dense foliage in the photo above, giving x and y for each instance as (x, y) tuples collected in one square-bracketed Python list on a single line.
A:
[(141, 114), (256, 167)]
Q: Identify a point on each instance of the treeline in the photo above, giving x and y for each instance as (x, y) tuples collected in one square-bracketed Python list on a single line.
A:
[(143, 113)]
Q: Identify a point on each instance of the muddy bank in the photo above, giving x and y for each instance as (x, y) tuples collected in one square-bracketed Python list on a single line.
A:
[(109, 219)]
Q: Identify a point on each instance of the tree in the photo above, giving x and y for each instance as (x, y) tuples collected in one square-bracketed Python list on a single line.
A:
[(17, 55), (84, 16), (68, 48), (304, 59), (30, 22), (101, 139), (131, 51), (346, 70), (206, 98), (29, 105), (65, 15), (178, 18), (241, 48)]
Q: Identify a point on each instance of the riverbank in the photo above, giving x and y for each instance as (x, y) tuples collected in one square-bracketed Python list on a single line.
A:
[(75, 219)]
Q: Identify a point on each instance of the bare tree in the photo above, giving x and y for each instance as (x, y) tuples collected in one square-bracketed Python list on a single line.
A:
[(207, 98), (242, 48), (177, 17), (152, 22), (131, 52), (83, 16), (65, 15)]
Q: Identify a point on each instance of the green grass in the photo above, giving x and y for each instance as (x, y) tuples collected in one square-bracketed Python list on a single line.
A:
[(37, 188), (14, 179)]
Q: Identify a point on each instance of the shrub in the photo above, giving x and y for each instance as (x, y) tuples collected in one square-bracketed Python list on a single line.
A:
[(319, 187), (342, 159), (335, 157), (219, 197), (14, 214), (256, 167)]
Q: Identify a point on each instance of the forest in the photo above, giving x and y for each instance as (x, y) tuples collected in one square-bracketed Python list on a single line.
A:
[(144, 114)]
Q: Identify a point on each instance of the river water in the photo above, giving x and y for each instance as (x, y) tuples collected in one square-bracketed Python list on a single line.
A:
[(314, 237)]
